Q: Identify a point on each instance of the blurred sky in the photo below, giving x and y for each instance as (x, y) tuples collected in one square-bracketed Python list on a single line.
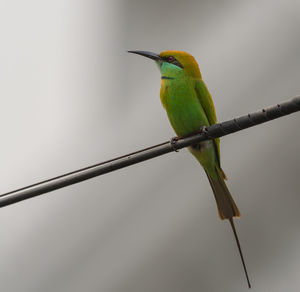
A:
[(71, 96)]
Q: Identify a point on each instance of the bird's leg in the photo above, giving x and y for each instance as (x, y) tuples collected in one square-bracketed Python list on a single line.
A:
[(173, 142)]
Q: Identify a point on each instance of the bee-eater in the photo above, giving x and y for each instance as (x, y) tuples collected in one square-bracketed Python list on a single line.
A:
[(189, 107)]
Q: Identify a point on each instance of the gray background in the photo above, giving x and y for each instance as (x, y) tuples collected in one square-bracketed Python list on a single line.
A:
[(71, 97)]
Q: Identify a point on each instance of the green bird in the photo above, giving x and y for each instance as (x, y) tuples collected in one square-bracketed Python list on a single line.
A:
[(189, 107)]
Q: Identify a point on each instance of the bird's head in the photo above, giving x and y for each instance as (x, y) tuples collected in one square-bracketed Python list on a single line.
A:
[(173, 64)]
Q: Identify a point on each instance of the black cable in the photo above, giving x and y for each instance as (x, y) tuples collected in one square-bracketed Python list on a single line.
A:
[(214, 131)]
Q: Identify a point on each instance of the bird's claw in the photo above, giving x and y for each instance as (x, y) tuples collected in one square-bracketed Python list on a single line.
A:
[(203, 130), (173, 142)]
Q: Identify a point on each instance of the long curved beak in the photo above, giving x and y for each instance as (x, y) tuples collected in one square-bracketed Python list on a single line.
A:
[(150, 55)]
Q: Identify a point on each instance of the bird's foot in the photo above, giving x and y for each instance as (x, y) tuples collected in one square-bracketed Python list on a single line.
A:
[(203, 130), (173, 142)]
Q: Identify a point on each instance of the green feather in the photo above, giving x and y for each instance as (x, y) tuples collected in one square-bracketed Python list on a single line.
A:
[(208, 106)]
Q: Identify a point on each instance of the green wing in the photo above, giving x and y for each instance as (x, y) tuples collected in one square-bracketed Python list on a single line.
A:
[(208, 106)]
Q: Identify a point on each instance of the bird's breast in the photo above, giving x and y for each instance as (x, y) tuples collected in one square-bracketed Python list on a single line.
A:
[(182, 105)]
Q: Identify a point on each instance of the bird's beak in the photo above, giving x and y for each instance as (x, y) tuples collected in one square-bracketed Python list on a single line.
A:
[(150, 55)]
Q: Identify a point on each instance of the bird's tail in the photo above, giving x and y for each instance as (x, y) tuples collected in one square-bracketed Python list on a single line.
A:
[(240, 251), (226, 205)]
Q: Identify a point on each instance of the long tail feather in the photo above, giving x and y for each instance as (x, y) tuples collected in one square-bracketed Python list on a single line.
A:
[(226, 207), (225, 203), (240, 250)]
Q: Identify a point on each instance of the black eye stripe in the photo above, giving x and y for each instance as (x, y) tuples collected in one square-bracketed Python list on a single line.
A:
[(177, 63), (173, 61), (169, 59)]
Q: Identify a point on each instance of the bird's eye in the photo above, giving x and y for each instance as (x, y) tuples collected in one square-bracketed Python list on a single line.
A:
[(171, 59)]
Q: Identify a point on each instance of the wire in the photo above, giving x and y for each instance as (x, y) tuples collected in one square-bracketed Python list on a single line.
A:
[(211, 132)]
